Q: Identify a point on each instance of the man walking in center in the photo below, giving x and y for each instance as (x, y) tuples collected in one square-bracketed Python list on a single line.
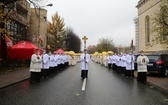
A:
[(85, 58)]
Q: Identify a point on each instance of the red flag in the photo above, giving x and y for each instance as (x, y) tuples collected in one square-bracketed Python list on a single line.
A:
[(8, 41), (40, 40)]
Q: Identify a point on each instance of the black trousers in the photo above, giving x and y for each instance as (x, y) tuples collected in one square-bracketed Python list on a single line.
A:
[(130, 73), (35, 77), (45, 73), (123, 70), (109, 65), (84, 74), (141, 77), (114, 66)]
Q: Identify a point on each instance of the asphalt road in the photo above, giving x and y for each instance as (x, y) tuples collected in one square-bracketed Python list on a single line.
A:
[(103, 87)]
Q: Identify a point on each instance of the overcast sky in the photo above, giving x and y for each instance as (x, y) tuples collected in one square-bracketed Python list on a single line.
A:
[(98, 18)]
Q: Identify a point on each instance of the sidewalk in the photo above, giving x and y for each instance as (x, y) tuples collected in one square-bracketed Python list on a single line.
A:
[(160, 82), (13, 77)]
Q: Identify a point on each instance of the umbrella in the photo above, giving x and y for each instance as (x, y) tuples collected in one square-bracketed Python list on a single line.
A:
[(110, 52)]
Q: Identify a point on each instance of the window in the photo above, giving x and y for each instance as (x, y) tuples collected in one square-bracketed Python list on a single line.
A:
[(147, 29), (16, 30)]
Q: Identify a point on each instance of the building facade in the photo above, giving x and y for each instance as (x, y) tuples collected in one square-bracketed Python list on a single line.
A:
[(38, 27), (146, 12), (20, 20), (136, 35), (26, 23)]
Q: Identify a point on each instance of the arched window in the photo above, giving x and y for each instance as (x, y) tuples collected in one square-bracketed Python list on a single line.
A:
[(147, 29)]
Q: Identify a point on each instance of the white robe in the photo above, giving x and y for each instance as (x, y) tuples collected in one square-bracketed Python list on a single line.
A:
[(142, 64), (51, 61), (45, 61), (109, 59), (123, 60), (85, 63), (56, 60), (35, 64), (105, 61), (130, 62), (73, 60), (70, 60)]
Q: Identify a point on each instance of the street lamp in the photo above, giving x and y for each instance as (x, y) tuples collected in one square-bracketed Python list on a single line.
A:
[(39, 19), (66, 42)]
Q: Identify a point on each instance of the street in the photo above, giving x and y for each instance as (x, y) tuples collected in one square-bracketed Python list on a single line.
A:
[(103, 87)]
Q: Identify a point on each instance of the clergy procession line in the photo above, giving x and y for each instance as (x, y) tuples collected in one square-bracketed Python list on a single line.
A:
[(121, 63), (43, 65)]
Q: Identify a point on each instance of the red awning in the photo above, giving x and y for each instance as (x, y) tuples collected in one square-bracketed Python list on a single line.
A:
[(60, 51), (22, 50)]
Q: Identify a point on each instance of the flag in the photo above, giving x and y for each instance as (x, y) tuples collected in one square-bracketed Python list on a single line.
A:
[(33, 38), (40, 40), (8, 41)]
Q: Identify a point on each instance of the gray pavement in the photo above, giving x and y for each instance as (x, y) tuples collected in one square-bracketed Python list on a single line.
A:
[(103, 87), (13, 77)]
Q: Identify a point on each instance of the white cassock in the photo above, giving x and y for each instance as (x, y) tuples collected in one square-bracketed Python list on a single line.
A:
[(142, 62), (35, 64), (51, 61), (73, 60), (45, 61), (130, 62), (55, 60), (84, 66), (70, 60), (35, 68), (105, 61), (85, 58)]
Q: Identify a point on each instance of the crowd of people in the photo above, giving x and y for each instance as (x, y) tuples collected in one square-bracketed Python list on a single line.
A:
[(43, 65), (124, 64)]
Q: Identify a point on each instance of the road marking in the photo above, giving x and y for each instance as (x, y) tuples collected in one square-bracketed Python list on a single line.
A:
[(84, 84), (77, 94)]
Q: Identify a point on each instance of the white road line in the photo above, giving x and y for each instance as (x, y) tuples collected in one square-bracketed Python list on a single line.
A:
[(84, 84)]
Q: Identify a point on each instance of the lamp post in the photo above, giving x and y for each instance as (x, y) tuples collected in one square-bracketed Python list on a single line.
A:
[(106, 46), (66, 40), (39, 18)]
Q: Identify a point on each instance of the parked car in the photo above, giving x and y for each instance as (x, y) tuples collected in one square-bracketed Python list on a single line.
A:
[(158, 63)]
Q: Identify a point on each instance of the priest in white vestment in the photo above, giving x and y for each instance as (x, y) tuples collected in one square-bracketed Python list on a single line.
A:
[(35, 67), (142, 62)]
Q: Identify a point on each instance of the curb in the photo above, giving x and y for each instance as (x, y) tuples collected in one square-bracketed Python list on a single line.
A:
[(3, 87), (154, 86)]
